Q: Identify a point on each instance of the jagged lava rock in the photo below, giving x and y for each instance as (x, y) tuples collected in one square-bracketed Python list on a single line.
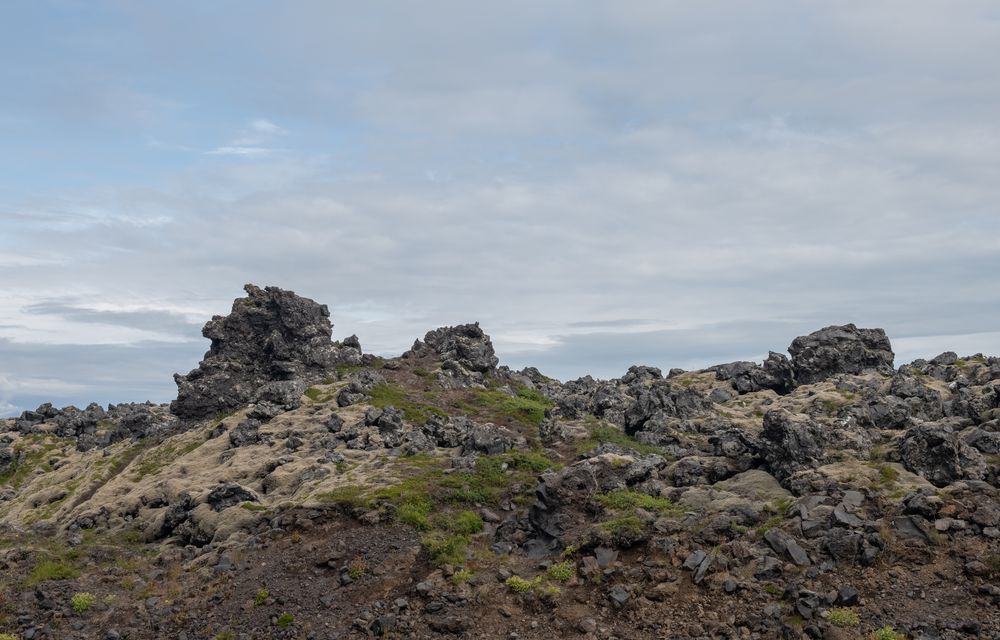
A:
[(466, 354), (840, 349), (270, 335)]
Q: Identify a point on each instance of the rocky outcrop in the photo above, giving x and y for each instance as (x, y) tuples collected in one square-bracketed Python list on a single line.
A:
[(270, 335), (747, 377), (840, 349), (465, 351), (937, 453), (662, 401)]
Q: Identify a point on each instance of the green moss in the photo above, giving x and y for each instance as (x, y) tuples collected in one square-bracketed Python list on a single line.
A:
[(261, 597), (253, 506), (527, 406), (387, 395), (621, 499), (604, 434), (285, 620), (154, 460), (314, 393), (624, 527)]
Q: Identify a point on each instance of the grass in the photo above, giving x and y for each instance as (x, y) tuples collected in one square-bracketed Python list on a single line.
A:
[(462, 576), (389, 395), (49, 569), (8, 636), (842, 617), (285, 620), (252, 506), (83, 601), (886, 633), (261, 597), (36, 450), (768, 524), (345, 369), (527, 406), (603, 434), (621, 499), (349, 495), (444, 548)]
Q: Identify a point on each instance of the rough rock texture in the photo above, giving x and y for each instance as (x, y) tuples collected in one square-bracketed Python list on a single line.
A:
[(936, 452), (270, 335), (466, 354), (840, 349)]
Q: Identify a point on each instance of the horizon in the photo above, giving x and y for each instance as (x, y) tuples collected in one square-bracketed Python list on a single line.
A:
[(598, 185)]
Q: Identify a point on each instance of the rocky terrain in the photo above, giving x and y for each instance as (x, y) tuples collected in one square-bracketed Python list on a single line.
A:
[(300, 488)]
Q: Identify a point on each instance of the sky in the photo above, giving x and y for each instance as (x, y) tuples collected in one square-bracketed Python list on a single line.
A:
[(599, 184)]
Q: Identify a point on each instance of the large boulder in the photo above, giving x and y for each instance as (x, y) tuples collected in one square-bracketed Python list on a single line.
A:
[(840, 349), (661, 401), (270, 335), (747, 377), (790, 442), (936, 452)]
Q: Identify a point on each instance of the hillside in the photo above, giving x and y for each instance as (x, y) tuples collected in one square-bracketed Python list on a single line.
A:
[(301, 488)]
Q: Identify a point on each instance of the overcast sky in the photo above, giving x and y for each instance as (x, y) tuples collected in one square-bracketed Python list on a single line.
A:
[(598, 183)]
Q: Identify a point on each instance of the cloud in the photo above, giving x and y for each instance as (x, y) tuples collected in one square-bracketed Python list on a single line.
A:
[(647, 182)]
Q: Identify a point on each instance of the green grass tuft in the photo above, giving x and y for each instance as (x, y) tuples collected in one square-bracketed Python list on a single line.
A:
[(842, 617), (51, 570), (621, 499), (82, 601)]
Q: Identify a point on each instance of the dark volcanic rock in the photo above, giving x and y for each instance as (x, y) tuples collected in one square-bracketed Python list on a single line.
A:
[(747, 377), (937, 453), (790, 442), (845, 349), (228, 495), (270, 335), (466, 354), (661, 401)]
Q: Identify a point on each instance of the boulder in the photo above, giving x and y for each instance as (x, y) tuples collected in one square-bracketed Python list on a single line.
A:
[(270, 335), (790, 442), (840, 349), (661, 401), (934, 451)]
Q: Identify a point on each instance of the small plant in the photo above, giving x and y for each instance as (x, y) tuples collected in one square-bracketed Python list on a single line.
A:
[(109, 599), (621, 499), (357, 568), (82, 601), (462, 575), (886, 633), (769, 524), (568, 551), (285, 620), (518, 584), (253, 506), (445, 549), (261, 597), (562, 571), (842, 617), (772, 589), (466, 522)]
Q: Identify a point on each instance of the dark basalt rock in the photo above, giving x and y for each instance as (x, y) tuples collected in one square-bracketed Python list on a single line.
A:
[(934, 451), (840, 349), (790, 442), (747, 377), (270, 335), (229, 494), (466, 353), (662, 401)]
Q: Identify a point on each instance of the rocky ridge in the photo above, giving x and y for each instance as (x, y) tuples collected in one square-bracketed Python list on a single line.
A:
[(298, 488)]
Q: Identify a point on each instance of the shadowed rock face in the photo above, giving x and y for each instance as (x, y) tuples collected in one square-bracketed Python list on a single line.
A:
[(843, 349), (270, 335)]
